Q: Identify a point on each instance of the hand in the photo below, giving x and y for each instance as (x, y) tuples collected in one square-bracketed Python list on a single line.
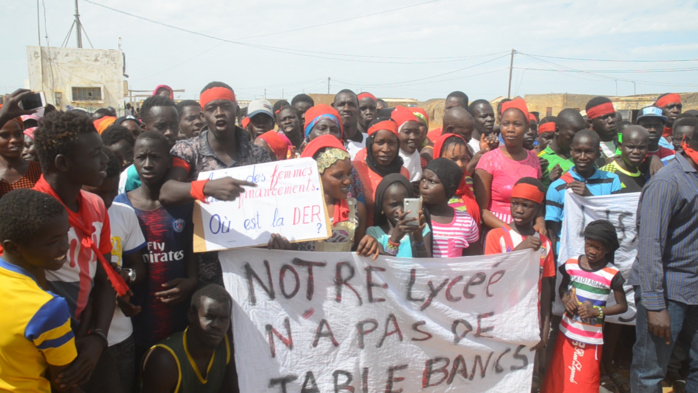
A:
[(484, 146), (532, 242), (555, 173), (417, 235), (124, 302), (177, 290), (402, 227), (587, 310), (543, 164), (660, 324), (278, 242), (579, 188), (226, 189), (11, 108), (571, 303), (79, 372), (539, 226), (368, 246)]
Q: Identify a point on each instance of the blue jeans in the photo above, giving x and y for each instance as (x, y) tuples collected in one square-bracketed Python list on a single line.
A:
[(651, 354)]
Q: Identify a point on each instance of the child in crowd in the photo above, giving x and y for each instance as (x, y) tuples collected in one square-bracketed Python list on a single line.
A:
[(36, 342), (127, 243), (633, 152), (527, 201), (399, 236), (454, 232), (586, 283), (170, 263)]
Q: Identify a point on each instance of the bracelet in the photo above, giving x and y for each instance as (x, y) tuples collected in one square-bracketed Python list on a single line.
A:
[(600, 312), (392, 248), (392, 243), (99, 333), (197, 190)]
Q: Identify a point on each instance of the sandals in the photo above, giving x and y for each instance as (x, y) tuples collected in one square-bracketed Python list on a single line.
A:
[(620, 381), (607, 384)]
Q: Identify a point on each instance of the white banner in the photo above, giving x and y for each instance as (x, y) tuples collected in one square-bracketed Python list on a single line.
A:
[(336, 322), (620, 210), (288, 200)]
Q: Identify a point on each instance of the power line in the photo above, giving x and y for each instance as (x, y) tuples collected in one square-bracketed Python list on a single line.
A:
[(613, 60)]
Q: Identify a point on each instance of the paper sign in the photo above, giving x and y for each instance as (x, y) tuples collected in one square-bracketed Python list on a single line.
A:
[(336, 322), (288, 200), (620, 210)]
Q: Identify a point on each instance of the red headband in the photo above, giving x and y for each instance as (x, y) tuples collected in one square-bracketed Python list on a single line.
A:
[(387, 125), (367, 95), (322, 142), (245, 122), (668, 99), (519, 104), (601, 110), (439, 144), (531, 116), (278, 143), (168, 88), (547, 127), (216, 93), (528, 191), (402, 115), (103, 123)]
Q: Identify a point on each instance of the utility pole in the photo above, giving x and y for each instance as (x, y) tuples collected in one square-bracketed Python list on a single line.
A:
[(38, 22), (511, 69), (328, 85), (78, 25)]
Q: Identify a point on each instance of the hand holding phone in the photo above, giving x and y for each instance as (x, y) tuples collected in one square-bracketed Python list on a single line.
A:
[(412, 208)]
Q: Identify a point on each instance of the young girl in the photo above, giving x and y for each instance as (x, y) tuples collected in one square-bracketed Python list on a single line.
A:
[(396, 234), (586, 283), (347, 215), (454, 231)]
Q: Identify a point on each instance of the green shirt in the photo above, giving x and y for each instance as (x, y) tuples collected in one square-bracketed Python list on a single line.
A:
[(554, 159)]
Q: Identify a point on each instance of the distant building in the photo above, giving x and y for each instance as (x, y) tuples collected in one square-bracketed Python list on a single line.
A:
[(88, 79)]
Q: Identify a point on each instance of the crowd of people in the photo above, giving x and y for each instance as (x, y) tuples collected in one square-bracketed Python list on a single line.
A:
[(103, 292)]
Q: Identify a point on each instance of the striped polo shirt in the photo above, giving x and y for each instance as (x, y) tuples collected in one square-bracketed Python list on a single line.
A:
[(588, 286)]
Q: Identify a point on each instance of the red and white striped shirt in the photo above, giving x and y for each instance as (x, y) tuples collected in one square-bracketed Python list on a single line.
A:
[(451, 239)]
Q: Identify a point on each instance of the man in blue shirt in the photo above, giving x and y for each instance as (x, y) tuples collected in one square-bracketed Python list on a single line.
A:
[(582, 179), (665, 274)]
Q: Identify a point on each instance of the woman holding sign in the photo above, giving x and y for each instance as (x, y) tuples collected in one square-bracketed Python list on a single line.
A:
[(347, 215)]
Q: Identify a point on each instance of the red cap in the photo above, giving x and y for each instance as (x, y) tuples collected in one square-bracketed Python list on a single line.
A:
[(402, 115), (519, 104), (322, 142)]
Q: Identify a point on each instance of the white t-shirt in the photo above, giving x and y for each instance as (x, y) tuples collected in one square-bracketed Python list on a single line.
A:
[(126, 238), (413, 163), (354, 147), (474, 144)]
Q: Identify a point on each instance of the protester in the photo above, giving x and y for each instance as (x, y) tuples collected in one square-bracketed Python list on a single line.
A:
[(652, 119), (586, 283), (130, 122), (120, 141), (683, 128), (302, 102), (601, 118), (422, 140), (36, 341), (531, 135), (557, 153), (456, 98), (499, 169), (483, 114), (164, 91), (381, 159), (29, 152), (663, 274), (261, 118), (367, 110), (104, 122), (15, 171), (289, 122), (320, 120), (633, 151), (276, 144), (190, 120), (408, 132), (454, 232), (398, 235), (546, 133), (199, 358), (670, 104)]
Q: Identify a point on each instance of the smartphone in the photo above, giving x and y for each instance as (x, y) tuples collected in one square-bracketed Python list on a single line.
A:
[(413, 206), (33, 101)]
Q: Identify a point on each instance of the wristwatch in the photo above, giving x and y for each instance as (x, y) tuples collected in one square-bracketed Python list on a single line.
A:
[(131, 273)]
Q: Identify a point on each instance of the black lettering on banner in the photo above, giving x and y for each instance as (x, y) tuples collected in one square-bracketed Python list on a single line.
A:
[(310, 379), (454, 328), (370, 284), (346, 385), (459, 368), (340, 281), (319, 332), (396, 329), (429, 370), (433, 292), (492, 281), (271, 332), (622, 228), (364, 380), (477, 279), (282, 381), (393, 379), (415, 327), (363, 332), (480, 332), (497, 368), (522, 358), (453, 282), (410, 284), (483, 368), (282, 285), (250, 274), (310, 289), (582, 224)]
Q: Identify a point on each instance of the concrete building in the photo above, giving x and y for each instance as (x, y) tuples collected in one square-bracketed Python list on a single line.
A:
[(88, 79)]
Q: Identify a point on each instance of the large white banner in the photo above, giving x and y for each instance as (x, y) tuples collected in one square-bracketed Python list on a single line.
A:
[(336, 322), (620, 210), (288, 200)]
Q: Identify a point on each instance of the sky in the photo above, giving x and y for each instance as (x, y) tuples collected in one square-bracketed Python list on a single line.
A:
[(418, 49)]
